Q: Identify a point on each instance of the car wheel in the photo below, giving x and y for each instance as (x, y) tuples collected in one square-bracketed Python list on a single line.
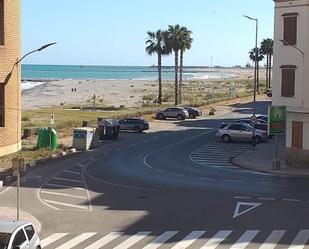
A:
[(160, 116), (226, 138), (258, 139), (136, 129), (180, 117), (191, 115)]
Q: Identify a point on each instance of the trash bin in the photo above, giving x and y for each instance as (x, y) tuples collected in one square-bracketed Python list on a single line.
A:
[(47, 138), (109, 129), (82, 138)]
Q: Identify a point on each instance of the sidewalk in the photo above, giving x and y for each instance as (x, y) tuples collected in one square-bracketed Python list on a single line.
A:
[(9, 214), (261, 158)]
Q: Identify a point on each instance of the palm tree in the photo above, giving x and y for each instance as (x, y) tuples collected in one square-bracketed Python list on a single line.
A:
[(267, 49), (174, 36), (185, 43), (260, 57), (156, 45)]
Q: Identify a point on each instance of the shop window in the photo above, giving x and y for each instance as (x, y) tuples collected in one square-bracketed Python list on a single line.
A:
[(290, 28), (297, 134), (288, 80), (2, 109)]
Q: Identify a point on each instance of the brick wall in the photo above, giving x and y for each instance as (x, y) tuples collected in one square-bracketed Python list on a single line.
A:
[(10, 134)]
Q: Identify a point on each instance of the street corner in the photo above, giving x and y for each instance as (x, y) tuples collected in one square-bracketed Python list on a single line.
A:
[(10, 214)]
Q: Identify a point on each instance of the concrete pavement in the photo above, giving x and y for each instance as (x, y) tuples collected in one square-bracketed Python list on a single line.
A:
[(261, 158)]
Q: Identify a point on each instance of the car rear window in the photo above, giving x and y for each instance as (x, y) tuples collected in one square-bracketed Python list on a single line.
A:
[(29, 231)]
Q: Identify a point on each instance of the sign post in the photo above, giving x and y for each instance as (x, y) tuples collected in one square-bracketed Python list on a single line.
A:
[(276, 126), (18, 164)]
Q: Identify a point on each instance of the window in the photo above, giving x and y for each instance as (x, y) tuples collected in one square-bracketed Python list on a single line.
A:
[(29, 231), (1, 22), (235, 127), (297, 134), (288, 80), (2, 109), (19, 239), (290, 28)]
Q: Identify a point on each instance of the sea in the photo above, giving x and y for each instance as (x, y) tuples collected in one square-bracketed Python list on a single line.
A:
[(34, 75)]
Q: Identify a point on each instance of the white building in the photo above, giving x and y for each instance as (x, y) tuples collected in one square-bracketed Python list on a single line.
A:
[(291, 74)]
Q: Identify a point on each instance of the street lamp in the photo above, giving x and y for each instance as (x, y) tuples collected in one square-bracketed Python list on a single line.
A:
[(7, 78), (255, 78)]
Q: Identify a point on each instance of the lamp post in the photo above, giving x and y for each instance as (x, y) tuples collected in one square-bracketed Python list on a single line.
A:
[(255, 78), (16, 64)]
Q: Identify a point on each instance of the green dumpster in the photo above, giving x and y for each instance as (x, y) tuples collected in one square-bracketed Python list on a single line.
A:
[(47, 138)]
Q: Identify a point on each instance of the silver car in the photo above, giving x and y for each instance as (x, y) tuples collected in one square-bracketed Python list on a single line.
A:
[(18, 234), (240, 132), (173, 112)]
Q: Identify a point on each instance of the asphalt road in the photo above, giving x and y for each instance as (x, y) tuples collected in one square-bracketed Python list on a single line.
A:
[(167, 189)]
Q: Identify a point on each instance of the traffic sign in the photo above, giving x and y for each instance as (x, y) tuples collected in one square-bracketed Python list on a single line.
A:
[(253, 119)]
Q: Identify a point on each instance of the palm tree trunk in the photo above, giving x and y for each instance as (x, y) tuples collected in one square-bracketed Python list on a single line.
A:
[(270, 69), (160, 79), (267, 70), (180, 76), (176, 78)]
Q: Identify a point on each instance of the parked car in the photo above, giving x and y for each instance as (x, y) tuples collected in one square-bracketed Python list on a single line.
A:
[(18, 234), (262, 118), (193, 112), (258, 125), (174, 112), (240, 132), (133, 124)]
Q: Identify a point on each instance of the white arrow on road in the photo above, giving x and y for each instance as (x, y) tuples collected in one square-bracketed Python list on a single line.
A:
[(248, 207)]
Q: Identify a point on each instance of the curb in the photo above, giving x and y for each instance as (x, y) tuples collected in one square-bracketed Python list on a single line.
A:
[(271, 172)]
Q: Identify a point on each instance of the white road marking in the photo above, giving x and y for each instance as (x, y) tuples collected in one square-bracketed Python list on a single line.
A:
[(72, 172), (65, 204), (52, 238), (73, 242), (242, 197), (66, 179), (132, 240), (245, 239), (273, 239), (62, 186), (300, 240), (159, 241), (188, 240), (105, 240), (218, 238), (63, 194), (226, 180), (176, 174), (292, 200), (250, 206), (266, 198)]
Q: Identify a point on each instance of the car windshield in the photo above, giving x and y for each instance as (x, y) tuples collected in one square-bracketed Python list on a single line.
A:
[(4, 240)]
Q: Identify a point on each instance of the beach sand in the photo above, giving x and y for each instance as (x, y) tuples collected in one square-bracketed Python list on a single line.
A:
[(110, 92)]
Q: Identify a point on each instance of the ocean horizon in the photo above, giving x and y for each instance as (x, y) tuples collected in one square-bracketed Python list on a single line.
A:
[(34, 75)]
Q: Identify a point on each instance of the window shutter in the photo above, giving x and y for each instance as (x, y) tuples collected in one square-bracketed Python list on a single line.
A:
[(290, 30), (288, 81)]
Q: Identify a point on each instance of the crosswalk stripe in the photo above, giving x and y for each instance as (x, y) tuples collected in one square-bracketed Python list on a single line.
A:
[(65, 204), (160, 240), (66, 179), (132, 240), (52, 238), (188, 240), (245, 239), (216, 239), (273, 239), (105, 240), (63, 194), (300, 240), (74, 242)]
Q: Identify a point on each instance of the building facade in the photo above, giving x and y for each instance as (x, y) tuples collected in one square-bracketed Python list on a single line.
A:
[(10, 87), (291, 75)]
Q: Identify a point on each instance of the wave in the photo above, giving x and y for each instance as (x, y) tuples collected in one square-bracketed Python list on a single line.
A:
[(26, 85)]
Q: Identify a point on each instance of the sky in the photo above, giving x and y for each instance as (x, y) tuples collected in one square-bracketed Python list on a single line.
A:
[(113, 32)]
